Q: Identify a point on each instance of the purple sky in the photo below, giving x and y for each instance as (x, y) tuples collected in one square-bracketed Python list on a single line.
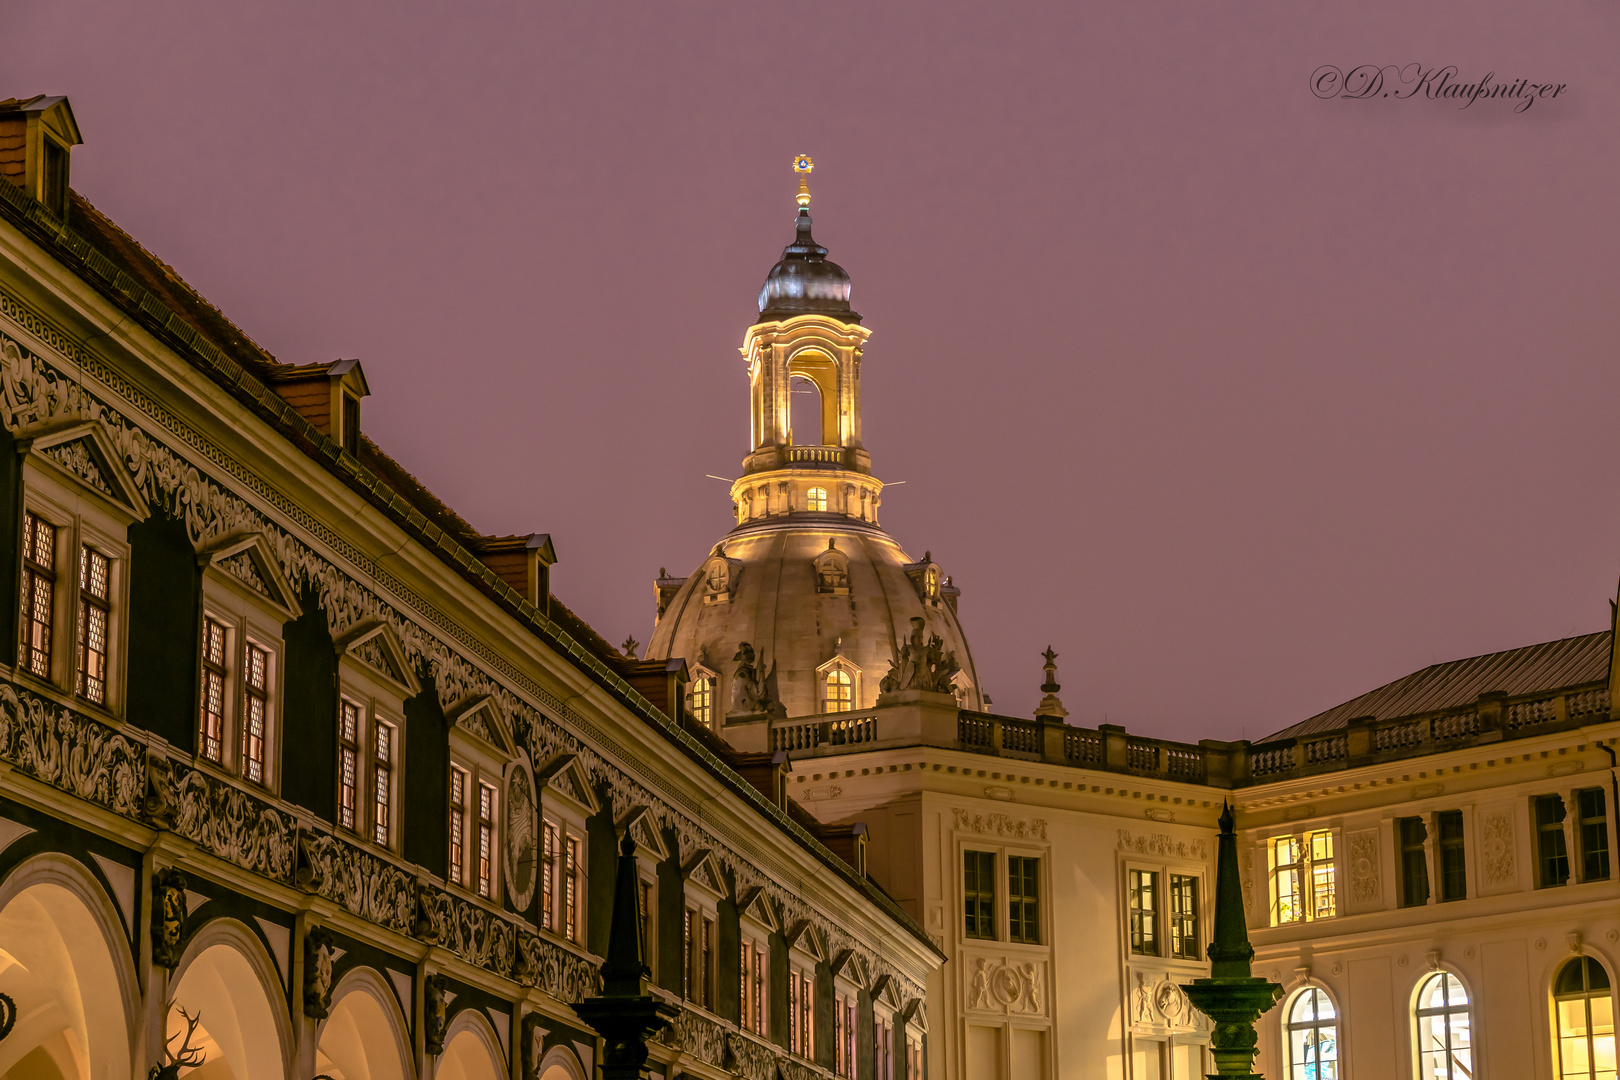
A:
[(1243, 400)]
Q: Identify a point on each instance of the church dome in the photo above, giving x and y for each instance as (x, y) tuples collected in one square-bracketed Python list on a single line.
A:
[(813, 597), (805, 281)]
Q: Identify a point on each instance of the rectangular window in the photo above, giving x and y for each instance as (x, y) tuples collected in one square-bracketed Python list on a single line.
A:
[(644, 911), (801, 1012), (1593, 828), (883, 1049), (979, 886), (699, 946), (1324, 895), (548, 876), (1453, 858), (383, 777), (458, 825), (486, 840), (571, 889), (1184, 916), (349, 766), (1552, 856), (38, 596), (351, 424), (1144, 912), (760, 997), (703, 702), (1023, 899), (95, 614), (840, 1062), (1411, 833), (214, 653), (255, 711)]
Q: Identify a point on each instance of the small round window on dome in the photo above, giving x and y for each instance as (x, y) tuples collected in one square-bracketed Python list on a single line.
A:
[(816, 499)]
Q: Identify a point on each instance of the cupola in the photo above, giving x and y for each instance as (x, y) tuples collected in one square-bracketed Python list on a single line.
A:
[(805, 281), (36, 137)]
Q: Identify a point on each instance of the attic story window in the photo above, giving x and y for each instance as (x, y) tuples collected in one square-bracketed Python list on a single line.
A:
[(55, 188), (351, 424), (816, 499)]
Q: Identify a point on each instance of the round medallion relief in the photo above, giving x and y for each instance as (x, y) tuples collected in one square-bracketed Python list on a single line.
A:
[(520, 838)]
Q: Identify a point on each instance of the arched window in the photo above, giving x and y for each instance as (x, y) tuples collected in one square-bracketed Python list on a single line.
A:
[(1313, 1036), (839, 686), (1445, 1037), (703, 701), (816, 499), (1585, 1008), (931, 582)]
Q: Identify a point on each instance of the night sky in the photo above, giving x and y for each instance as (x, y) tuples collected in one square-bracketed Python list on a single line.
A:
[(1244, 400)]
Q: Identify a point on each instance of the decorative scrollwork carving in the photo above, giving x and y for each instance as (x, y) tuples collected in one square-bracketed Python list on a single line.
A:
[(228, 822)]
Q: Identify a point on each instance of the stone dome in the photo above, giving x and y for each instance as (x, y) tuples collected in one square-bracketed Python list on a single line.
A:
[(805, 281), (811, 593)]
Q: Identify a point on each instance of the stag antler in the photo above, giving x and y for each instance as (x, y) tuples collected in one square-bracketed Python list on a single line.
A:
[(189, 1056)]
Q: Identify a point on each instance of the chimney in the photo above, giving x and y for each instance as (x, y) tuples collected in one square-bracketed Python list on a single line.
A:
[(36, 136)]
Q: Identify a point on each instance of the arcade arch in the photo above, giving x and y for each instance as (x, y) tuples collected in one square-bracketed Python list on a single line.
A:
[(561, 1064), (65, 965), (471, 1050), (227, 982), (363, 1036)]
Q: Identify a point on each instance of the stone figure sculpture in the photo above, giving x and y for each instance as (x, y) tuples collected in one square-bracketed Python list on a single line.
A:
[(923, 663), (168, 916), (750, 686), (318, 960)]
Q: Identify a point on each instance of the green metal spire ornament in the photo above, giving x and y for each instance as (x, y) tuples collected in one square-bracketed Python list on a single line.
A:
[(624, 1014), (1233, 998)]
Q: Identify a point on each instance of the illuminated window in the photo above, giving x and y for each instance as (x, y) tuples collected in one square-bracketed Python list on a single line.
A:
[(1023, 899), (1444, 1029), (349, 766), (882, 1048), (1312, 1032), (1303, 882), (548, 876), (458, 825), (703, 701), (801, 1012), (1585, 1007), (95, 580), (1184, 916), (486, 840), (38, 595), (571, 889), (1552, 856), (382, 781), (979, 888), (214, 653), (1144, 887), (844, 1036), (699, 934), (255, 711), (816, 499), (754, 963), (931, 582), (838, 691)]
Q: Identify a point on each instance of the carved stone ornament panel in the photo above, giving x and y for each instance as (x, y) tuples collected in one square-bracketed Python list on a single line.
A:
[(1013, 987), (1000, 825), (1365, 887), (1158, 1005), (1162, 844), (1496, 844), (95, 762), (520, 839)]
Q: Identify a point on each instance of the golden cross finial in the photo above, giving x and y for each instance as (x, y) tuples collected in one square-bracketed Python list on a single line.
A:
[(804, 166)]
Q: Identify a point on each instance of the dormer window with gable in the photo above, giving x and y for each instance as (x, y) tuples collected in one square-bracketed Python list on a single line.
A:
[(328, 395), (246, 600), (78, 505), (703, 696), (566, 802), (840, 683), (757, 922), (375, 681), (44, 130)]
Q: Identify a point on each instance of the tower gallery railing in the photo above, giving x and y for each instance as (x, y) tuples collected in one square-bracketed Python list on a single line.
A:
[(1492, 718)]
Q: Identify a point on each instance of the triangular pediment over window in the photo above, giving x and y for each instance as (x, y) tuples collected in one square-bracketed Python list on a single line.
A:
[(884, 990), (915, 1015), (248, 559), (375, 645), (567, 777), (703, 870), (642, 825), (847, 965), (84, 451), (804, 937), (754, 905), (483, 718)]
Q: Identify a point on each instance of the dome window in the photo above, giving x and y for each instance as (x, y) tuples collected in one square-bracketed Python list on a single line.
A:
[(839, 682), (927, 579), (701, 697), (832, 571), (816, 499)]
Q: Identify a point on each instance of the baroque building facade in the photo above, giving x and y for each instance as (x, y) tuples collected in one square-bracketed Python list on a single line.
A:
[(1427, 870), (301, 775)]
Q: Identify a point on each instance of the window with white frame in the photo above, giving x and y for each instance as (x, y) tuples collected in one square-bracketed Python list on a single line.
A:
[(1303, 877), (1583, 1004), (245, 602), (839, 681), (1311, 1032), (1444, 1021), (1164, 914), (375, 681), (78, 503), (703, 696)]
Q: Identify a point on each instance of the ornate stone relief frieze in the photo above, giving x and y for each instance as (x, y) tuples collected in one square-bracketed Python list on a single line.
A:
[(95, 763), (1011, 987), (1364, 884), (1162, 844), (1015, 828), (1158, 1004), (1496, 843)]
